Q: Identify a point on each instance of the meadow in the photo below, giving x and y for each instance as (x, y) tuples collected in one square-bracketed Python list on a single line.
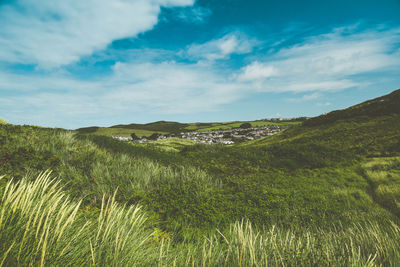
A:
[(41, 226), (322, 193)]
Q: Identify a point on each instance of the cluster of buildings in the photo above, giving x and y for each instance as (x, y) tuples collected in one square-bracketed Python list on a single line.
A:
[(122, 138), (225, 137)]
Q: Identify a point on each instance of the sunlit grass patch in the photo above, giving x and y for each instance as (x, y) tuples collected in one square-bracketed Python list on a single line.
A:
[(381, 162), (38, 223), (353, 196), (40, 226), (377, 177), (169, 144), (384, 175)]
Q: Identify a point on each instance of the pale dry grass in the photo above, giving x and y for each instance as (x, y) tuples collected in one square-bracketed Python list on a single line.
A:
[(39, 216), (40, 226)]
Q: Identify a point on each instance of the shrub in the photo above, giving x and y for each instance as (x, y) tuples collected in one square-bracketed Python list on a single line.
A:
[(245, 125)]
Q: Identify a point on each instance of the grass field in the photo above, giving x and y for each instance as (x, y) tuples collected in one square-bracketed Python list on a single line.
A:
[(169, 144), (124, 132), (41, 226), (322, 193)]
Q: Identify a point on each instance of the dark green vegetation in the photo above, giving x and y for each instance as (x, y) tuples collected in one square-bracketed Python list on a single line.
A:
[(168, 127), (326, 192)]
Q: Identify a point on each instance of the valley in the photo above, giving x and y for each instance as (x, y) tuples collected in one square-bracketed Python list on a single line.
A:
[(223, 137), (324, 191)]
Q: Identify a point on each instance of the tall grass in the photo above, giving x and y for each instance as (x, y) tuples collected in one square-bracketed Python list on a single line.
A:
[(38, 223), (40, 226), (120, 235), (91, 171), (111, 170), (369, 244)]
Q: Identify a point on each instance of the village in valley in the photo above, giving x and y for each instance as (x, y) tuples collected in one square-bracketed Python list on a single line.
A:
[(225, 137)]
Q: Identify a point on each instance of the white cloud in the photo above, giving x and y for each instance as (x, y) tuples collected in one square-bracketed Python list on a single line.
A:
[(55, 33), (256, 71), (172, 87), (304, 86), (326, 62), (307, 97), (133, 88), (325, 104), (232, 43), (329, 62)]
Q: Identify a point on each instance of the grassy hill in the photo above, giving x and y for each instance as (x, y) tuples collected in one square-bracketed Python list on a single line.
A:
[(165, 126), (168, 127), (325, 192), (3, 121), (381, 106)]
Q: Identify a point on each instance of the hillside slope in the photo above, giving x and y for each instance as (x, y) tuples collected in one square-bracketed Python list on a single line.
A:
[(382, 106), (163, 126), (332, 150), (342, 168), (368, 129)]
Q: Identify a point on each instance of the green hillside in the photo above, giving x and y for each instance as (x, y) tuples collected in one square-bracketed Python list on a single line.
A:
[(164, 126), (324, 192), (3, 121), (381, 106), (168, 127)]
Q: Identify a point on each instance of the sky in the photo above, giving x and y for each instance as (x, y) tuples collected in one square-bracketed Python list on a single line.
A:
[(74, 63)]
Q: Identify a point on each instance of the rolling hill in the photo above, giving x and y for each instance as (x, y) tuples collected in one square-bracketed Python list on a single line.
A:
[(169, 127), (324, 192), (381, 106)]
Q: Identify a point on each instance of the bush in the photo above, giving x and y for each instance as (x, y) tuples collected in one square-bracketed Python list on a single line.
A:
[(245, 125), (134, 136), (154, 136)]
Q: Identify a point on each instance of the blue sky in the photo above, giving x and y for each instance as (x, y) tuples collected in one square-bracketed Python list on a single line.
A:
[(79, 63)]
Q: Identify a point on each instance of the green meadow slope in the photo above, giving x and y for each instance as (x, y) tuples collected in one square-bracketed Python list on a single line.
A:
[(326, 192)]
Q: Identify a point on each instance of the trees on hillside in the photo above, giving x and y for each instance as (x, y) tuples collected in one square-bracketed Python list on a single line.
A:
[(245, 125), (154, 136), (134, 136)]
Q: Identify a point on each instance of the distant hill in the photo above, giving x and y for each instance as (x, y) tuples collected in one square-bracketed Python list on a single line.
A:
[(3, 121), (371, 128), (381, 106), (168, 127), (158, 126)]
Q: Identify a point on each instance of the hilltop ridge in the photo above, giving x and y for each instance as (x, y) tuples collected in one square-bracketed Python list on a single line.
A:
[(380, 106), (170, 127)]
